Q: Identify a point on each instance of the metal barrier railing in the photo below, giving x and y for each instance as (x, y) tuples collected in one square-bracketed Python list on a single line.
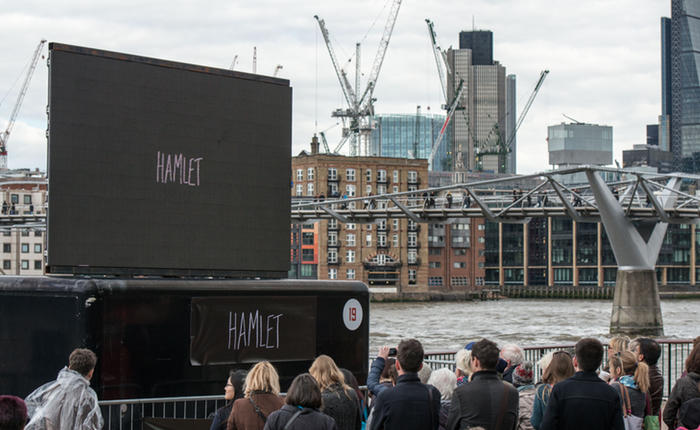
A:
[(128, 414), (671, 362)]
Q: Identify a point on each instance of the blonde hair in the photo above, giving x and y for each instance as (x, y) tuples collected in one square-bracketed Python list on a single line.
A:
[(543, 364), (618, 344), (326, 373), (463, 361), (262, 377), (626, 363)]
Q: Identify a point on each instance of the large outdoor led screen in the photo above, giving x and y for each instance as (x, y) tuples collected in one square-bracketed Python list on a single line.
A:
[(158, 167)]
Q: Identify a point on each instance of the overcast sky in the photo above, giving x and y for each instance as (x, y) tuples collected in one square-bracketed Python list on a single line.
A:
[(603, 56)]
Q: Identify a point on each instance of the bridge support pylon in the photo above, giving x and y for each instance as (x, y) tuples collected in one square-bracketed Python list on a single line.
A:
[(636, 305)]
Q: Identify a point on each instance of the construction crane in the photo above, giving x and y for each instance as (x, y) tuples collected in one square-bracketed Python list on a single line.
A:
[(440, 60), (416, 132), (277, 69), (451, 108), (5, 135), (357, 117), (503, 147), (233, 63)]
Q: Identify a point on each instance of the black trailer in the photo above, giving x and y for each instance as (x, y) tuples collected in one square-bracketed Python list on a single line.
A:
[(175, 337)]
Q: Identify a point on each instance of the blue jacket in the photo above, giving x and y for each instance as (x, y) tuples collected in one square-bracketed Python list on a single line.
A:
[(409, 405), (583, 401), (375, 371)]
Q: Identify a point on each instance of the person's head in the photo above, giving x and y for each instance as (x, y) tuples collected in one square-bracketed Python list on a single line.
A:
[(352, 382), (389, 373), (647, 350), (543, 362), (625, 363), (409, 357), (445, 381), (424, 373), (234, 385), (484, 355), (463, 362), (560, 367), (13, 413), (262, 377), (512, 354), (589, 354), (82, 361), (692, 363), (522, 374), (326, 373), (617, 344), (304, 392)]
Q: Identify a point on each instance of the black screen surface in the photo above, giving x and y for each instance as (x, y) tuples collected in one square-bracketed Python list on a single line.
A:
[(161, 167)]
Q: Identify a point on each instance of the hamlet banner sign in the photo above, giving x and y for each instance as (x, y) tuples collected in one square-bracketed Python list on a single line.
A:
[(228, 330)]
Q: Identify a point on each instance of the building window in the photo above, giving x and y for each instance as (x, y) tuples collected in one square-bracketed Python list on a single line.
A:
[(350, 256), (395, 241), (300, 175), (350, 175), (381, 189), (412, 176), (368, 175), (411, 276), (308, 270), (332, 256), (381, 240), (460, 281), (434, 264), (350, 274), (300, 189), (332, 224), (459, 264), (368, 240), (396, 176), (381, 224), (37, 248), (6, 247), (395, 224), (37, 265), (368, 190), (310, 189), (350, 190), (482, 240), (332, 238), (6, 264), (332, 174), (481, 227), (332, 273), (25, 248), (381, 176), (435, 281), (350, 226), (412, 256), (25, 264), (6, 233), (310, 173), (27, 199), (307, 255), (306, 239), (434, 251), (350, 239), (460, 252), (25, 232), (14, 198), (412, 238), (396, 189)]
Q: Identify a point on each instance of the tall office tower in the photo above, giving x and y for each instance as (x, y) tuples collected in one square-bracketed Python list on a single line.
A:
[(510, 122), (409, 136), (479, 124), (481, 44), (665, 117), (685, 84)]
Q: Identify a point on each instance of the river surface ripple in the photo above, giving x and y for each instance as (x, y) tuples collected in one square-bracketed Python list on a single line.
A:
[(442, 326)]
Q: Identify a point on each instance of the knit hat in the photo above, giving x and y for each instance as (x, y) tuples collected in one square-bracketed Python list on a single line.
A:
[(522, 375), (13, 412)]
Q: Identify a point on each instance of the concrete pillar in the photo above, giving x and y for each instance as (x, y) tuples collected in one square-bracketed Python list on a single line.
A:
[(636, 305)]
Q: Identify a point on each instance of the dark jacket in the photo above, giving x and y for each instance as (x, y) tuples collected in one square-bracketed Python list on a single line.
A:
[(685, 388), (243, 415), (342, 406), (375, 372), (656, 389), (409, 405), (309, 419), (583, 401), (508, 374), (221, 417), (638, 400), (480, 403)]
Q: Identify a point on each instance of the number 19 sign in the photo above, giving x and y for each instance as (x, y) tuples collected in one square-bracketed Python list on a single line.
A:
[(352, 314)]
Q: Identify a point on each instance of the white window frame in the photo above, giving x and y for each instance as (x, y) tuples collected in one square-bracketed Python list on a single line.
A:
[(396, 176), (350, 256), (300, 175), (350, 274), (350, 175), (332, 174), (310, 189), (310, 173), (332, 273), (350, 239)]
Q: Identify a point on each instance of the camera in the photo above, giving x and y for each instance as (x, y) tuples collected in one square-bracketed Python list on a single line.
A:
[(392, 352)]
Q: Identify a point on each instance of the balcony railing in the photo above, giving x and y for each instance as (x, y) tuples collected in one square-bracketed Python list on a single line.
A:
[(334, 244), (335, 178), (414, 262)]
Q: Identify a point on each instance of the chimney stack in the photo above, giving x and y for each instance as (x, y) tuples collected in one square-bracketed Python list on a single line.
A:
[(314, 145)]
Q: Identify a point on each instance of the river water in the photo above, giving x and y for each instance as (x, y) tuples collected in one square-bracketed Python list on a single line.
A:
[(444, 326)]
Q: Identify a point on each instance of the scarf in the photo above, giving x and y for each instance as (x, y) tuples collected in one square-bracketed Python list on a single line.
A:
[(628, 381)]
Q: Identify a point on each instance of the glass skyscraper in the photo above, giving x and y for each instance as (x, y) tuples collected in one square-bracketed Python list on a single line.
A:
[(685, 83), (410, 136)]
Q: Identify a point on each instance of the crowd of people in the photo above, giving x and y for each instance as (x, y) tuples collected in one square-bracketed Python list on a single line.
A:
[(491, 388)]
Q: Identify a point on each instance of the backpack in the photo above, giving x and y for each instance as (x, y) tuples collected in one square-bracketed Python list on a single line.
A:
[(689, 414)]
